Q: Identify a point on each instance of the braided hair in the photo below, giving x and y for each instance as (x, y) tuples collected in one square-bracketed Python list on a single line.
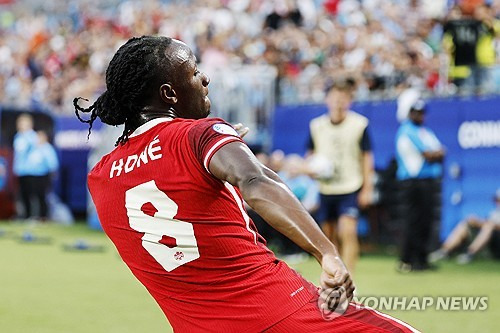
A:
[(129, 77)]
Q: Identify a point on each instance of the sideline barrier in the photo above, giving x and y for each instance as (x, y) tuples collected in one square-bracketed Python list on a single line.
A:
[(468, 127)]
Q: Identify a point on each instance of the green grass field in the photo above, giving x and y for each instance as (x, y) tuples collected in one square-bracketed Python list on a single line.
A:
[(45, 289)]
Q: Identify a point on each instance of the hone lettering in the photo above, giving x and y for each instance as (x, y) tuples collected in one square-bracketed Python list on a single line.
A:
[(151, 152)]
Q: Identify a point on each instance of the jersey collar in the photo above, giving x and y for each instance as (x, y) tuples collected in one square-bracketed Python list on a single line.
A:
[(149, 125)]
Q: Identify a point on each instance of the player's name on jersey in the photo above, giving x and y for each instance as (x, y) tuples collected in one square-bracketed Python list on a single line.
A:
[(151, 152)]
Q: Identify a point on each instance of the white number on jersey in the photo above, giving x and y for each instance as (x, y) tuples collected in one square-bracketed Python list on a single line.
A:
[(170, 242)]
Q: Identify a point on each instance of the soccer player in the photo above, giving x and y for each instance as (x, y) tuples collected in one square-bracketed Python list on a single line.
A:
[(170, 197), (341, 137)]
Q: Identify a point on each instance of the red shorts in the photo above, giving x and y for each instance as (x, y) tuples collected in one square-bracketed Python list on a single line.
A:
[(355, 319)]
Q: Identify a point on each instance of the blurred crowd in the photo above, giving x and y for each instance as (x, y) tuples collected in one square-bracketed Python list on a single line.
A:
[(52, 51)]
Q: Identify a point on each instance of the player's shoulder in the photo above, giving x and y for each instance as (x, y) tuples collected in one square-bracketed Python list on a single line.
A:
[(357, 117), (202, 122), (215, 125), (208, 121), (320, 120)]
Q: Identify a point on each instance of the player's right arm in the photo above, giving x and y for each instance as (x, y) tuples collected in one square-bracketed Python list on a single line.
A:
[(266, 193)]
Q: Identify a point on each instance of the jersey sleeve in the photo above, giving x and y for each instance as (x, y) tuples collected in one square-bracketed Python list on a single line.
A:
[(365, 143), (310, 142), (207, 136)]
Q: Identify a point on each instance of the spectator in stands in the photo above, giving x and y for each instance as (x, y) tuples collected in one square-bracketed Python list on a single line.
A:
[(460, 39), (483, 228), (341, 136), (485, 51), (46, 57), (283, 13), (419, 156)]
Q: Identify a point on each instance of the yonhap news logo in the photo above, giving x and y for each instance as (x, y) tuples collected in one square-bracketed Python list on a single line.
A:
[(422, 303), (332, 304)]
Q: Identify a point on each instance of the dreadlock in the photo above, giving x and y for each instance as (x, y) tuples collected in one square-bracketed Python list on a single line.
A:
[(130, 73)]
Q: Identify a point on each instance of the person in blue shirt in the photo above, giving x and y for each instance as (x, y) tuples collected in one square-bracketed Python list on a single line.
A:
[(419, 155), (44, 157), (44, 162), (35, 160), (25, 141)]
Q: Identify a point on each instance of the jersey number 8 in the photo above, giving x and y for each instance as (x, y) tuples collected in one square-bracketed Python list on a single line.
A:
[(170, 242)]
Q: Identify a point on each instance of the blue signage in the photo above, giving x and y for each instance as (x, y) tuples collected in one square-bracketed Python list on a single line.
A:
[(468, 127)]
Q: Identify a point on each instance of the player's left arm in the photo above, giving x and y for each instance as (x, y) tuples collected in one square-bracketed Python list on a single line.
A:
[(266, 193), (365, 196)]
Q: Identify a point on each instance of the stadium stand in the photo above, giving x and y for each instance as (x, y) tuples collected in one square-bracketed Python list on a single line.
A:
[(51, 53)]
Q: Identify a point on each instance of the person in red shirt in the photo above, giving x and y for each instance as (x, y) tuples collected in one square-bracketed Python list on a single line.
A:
[(170, 197)]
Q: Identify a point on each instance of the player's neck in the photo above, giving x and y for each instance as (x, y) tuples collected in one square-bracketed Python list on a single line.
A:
[(149, 113), (338, 121)]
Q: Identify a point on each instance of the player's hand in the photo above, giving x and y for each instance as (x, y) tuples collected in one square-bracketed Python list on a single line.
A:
[(337, 287), (242, 131)]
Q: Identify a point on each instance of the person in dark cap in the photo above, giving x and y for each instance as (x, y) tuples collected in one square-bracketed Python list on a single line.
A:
[(419, 155)]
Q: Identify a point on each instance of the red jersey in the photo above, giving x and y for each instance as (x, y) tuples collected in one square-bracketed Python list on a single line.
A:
[(186, 235)]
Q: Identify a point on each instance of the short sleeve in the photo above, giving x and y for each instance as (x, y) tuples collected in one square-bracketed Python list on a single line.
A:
[(207, 136), (310, 142), (365, 143)]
